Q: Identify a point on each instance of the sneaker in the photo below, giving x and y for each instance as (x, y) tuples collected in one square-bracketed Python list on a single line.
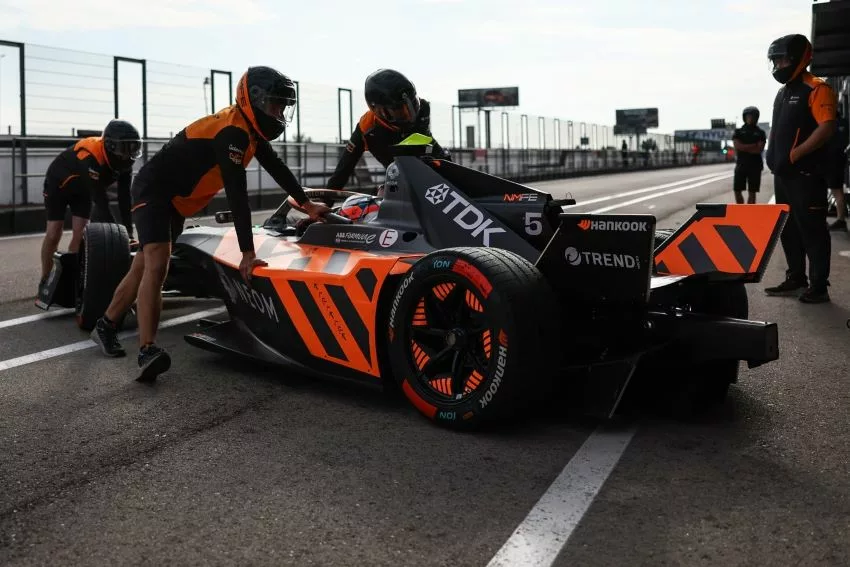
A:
[(839, 225), (812, 295), (788, 287), (42, 294), (153, 361), (106, 336)]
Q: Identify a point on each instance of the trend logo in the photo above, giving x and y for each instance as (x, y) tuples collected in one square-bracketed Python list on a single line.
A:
[(572, 256)]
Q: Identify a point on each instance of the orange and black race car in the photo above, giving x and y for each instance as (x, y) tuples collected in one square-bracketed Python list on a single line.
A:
[(477, 296)]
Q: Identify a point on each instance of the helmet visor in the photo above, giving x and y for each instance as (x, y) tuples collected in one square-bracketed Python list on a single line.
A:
[(279, 108), (125, 149), (405, 112)]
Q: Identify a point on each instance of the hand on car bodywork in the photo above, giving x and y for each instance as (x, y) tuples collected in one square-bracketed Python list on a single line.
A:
[(315, 210), (248, 263)]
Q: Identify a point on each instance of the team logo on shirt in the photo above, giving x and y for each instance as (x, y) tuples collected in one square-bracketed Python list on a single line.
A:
[(236, 154)]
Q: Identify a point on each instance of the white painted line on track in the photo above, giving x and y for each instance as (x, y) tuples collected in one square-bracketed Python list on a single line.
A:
[(661, 194), (38, 317), (541, 536), (88, 343), (70, 310), (645, 190)]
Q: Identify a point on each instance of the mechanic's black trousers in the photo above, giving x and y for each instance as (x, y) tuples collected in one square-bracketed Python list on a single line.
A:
[(805, 233)]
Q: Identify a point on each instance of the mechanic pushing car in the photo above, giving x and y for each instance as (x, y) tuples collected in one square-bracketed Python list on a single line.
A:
[(804, 120), (395, 112), (749, 141), (180, 180), (78, 177)]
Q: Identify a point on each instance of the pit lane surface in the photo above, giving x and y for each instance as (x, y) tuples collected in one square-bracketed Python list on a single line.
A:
[(225, 463)]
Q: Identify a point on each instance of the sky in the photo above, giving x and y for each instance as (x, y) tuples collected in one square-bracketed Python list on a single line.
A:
[(575, 60)]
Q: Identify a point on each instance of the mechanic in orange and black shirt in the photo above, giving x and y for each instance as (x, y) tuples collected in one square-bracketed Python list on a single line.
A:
[(181, 179), (749, 141), (804, 120), (395, 112), (79, 176)]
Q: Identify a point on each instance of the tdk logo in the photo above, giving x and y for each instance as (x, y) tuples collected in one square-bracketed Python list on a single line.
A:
[(466, 215), (437, 194), (613, 226)]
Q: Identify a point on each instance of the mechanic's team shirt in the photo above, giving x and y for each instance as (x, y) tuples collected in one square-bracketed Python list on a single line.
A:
[(799, 108), (749, 134), (210, 154), (377, 137), (85, 164)]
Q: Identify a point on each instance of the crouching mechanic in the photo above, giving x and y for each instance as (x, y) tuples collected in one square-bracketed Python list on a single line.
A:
[(395, 112), (749, 142), (180, 180), (78, 177)]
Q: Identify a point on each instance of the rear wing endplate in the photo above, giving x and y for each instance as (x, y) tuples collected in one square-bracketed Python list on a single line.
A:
[(725, 239)]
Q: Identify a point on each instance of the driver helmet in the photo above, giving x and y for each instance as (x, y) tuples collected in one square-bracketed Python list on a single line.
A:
[(754, 112), (789, 55), (392, 97), (122, 144), (267, 98), (362, 208)]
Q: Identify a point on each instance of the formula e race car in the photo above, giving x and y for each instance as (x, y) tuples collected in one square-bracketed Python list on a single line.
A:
[(478, 296)]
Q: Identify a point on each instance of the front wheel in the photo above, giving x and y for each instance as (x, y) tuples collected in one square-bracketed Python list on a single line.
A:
[(472, 335)]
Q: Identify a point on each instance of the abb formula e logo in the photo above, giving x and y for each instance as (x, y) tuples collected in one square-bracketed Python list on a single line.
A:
[(602, 259), (463, 213), (613, 226)]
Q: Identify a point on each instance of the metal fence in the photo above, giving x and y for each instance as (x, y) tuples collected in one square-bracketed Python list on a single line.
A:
[(24, 162), (59, 91)]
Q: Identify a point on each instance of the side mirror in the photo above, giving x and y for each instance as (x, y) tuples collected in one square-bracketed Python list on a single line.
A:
[(223, 217)]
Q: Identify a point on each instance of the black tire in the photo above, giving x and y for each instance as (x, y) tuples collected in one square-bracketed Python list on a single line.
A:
[(708, 385), (506, 308), (671, 384), (104, 260)]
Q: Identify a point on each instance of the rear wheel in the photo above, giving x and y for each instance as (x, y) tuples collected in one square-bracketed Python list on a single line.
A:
[(713, 378), (104, 260), (470, 335), (670, 383)]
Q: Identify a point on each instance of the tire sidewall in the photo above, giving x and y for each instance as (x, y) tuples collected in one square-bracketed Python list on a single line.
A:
[(492, 395), (93, 291)]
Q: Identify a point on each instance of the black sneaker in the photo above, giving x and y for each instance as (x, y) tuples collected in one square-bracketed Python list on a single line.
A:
[(812, 295), (106, 336), (840, 225), (788, 287), (153, 361)]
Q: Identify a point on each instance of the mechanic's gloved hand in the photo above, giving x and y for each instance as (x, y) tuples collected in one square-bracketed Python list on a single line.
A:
[(248, 263)]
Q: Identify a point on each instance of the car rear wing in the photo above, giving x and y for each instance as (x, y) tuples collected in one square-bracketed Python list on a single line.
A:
[(723, 239)]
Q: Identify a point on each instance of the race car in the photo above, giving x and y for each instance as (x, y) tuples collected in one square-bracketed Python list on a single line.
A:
[(477, 296)]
